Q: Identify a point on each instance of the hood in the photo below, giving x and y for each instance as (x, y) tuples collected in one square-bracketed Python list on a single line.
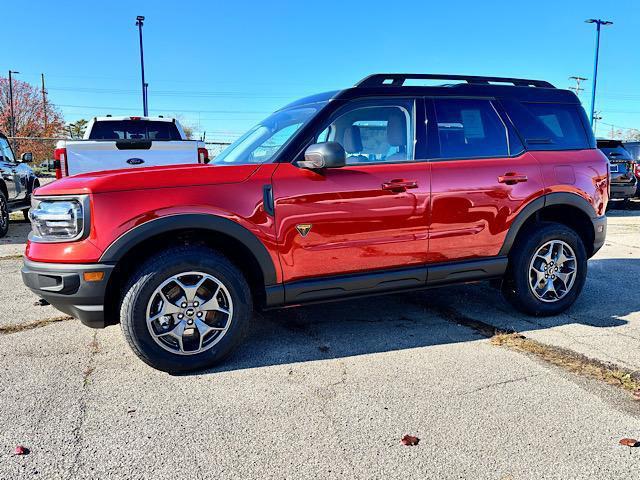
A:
[(148, 178)]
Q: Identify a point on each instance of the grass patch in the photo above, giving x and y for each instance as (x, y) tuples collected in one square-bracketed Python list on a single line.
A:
[(571, 361), (8, 329)]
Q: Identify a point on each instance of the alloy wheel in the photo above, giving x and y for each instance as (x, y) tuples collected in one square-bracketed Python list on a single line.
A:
[(189, 313), (552, 271)]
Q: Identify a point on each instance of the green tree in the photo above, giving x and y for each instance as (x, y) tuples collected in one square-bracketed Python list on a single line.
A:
[(77, 129)]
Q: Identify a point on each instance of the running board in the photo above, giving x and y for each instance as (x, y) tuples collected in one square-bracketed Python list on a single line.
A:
[(378, 282)]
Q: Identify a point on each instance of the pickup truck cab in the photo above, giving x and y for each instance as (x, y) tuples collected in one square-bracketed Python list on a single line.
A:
[(379, 188), (112, 143)]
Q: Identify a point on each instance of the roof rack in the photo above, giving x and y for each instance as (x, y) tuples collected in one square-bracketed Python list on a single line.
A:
[(398, 80)]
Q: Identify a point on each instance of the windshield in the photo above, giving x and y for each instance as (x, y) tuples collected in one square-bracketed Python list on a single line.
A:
[(261, 143)]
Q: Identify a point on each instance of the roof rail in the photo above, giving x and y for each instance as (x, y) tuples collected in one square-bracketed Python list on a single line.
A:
[(398, 79)]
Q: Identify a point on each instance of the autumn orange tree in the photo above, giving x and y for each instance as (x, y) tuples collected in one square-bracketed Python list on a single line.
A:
[(29, 113)]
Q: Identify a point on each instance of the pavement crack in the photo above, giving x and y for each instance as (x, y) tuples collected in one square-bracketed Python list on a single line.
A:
[(76, 432), (9, 329), (497, 384)]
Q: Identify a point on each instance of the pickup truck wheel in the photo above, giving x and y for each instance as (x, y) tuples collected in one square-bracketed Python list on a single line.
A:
[(547, 270), (4, 215), (185, 309)]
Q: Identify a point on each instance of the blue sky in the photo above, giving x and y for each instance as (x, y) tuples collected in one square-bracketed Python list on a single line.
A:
[(222, 66)]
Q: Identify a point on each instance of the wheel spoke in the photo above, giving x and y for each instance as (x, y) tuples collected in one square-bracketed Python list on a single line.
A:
[(549, 287), (564, 278), (168, 308), (190, 290), (539, 276)]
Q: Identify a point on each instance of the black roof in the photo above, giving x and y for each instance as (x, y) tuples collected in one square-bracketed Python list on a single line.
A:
[(393, 84)]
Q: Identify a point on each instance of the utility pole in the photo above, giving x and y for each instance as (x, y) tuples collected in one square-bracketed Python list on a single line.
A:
[(596, 118), (12, 123), (599, 24), (145, 107), (577, 88), (44, 102)]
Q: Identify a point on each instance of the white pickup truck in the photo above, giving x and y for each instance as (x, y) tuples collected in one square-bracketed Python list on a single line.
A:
[(112, 143)]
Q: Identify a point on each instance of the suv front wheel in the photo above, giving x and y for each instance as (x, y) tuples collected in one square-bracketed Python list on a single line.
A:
[(185, 309), (547, 270)]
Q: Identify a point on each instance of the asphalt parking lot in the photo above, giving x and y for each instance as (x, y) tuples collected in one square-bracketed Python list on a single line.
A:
[(328, 391)]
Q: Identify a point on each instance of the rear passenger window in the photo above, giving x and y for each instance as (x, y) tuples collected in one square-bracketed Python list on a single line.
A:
[(470, 128), (550, 126)]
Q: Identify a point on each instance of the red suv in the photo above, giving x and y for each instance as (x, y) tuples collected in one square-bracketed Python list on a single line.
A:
[(383, 187)]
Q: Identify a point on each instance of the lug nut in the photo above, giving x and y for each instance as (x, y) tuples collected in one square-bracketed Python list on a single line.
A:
[(190, 322), (183, 305), (180, 316), (195, 304), (199, 314)]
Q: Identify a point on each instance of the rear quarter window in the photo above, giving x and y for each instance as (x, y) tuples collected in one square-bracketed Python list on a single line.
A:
[(551, 126), (134, 130)]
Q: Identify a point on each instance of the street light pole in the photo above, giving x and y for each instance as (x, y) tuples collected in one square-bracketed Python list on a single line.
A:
[(12, 123), (598, 23), (139, 23)]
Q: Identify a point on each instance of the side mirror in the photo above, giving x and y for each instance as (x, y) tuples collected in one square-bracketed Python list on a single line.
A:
[(324, 155), (26, 157)]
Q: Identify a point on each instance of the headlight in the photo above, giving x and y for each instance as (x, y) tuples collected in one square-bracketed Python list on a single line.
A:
[(59, 219)]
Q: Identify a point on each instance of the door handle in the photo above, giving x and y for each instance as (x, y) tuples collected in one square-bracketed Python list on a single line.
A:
[(399, 185), (512, 178)]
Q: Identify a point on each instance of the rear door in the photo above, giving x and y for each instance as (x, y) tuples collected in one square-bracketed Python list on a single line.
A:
[(371, 214), (480, 178)]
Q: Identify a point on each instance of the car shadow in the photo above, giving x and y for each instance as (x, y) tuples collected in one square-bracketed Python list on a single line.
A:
[(421, 319), (17, 234)]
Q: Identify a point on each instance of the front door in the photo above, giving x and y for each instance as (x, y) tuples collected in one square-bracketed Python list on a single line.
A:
[(371, 214), (480, 177), (8, 167)]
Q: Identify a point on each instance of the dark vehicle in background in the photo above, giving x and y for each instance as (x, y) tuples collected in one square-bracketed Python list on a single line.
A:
[(622, 168), (16, 185), (634, 150)]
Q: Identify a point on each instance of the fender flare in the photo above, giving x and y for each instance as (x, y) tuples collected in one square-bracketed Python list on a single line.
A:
[(213, 223), (556, 198)]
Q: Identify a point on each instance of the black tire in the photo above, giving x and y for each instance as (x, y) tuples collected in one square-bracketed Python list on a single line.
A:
[(516, 287), (4, 215), (25, 214), (151, 275)]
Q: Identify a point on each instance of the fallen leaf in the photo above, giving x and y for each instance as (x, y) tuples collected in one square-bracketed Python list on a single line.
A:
[(630, 442), (20, 450), (131, 410), (409, 440), (41, 303)]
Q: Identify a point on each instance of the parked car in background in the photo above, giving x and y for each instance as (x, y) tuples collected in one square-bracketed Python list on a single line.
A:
[(634, 150), (622, 167), (17, 182), (378, 188), (113, 143)]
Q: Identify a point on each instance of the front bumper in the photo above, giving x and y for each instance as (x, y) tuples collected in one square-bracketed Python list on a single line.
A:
[(600, 232), (64, 287)]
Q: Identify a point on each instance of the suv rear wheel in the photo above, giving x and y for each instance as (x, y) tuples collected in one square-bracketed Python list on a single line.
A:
[(547, 270), (185, 309)]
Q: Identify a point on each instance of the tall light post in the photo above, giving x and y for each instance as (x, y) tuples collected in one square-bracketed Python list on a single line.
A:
[(145, 107), (12, 123), (599, 24)]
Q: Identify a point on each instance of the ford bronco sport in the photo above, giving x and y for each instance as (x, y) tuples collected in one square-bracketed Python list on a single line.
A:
[(384, 187)]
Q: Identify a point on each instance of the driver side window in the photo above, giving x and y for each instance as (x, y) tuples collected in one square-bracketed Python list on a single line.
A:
[(373, 131)]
